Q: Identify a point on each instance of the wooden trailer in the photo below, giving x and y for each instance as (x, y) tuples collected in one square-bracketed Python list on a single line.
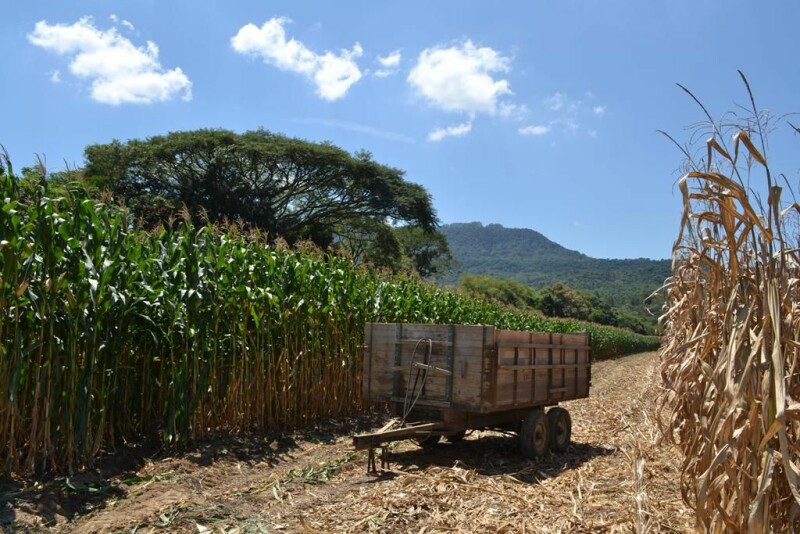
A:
[(443, 380)]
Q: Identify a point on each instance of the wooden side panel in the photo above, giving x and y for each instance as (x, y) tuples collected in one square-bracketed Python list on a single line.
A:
[(415, 348), (468, 365), (379, 357), (539, 369), (542, 356), (486, 369), (577, 378), (583, 361), (366, 363), (508, 354)]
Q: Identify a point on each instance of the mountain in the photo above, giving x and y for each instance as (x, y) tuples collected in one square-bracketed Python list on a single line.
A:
[(529, 257)]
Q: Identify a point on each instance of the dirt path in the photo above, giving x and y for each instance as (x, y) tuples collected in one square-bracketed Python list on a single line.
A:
[(614, 478)]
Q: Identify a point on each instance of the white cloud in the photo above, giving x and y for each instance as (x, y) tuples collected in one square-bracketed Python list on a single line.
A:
[(459, 78), (392, 60), (534, 130), (121, 73), (389, 64), (113, 18), (459, 130), (555, 102), (592, 133), (332, 74), (128, 25), (55, 76), (599, 110)]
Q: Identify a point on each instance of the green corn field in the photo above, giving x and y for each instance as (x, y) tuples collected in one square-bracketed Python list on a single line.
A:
[(109, 333)]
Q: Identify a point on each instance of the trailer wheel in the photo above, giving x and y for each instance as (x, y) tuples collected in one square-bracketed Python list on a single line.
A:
[(560, 428), (535, 434), (428, 441), (455, 438)]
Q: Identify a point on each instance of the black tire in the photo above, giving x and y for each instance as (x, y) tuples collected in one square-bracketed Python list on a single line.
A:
[(455, 438), (560, 428), (428, 441), (534, 436)]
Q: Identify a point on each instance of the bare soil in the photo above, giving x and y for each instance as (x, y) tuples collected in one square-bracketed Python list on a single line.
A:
[(615, 477)]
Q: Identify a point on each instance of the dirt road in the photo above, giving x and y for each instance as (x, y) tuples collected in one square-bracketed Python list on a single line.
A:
[(615, 478)]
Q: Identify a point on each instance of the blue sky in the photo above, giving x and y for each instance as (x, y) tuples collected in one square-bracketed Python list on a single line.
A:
[(537, 115)]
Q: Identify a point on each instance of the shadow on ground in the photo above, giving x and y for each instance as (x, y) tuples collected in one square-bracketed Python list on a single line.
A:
[(36, 504), (495, 455)]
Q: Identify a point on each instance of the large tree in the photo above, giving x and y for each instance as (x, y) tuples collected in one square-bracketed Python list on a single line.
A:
[(289, 187)]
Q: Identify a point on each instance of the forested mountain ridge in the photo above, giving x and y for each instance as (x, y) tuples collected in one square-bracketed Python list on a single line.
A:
[(529, 257)]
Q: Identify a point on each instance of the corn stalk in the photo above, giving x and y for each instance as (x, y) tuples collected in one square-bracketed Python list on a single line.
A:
[(730, 357)]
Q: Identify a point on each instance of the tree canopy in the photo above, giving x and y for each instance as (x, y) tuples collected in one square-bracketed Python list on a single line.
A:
[(291, 188)]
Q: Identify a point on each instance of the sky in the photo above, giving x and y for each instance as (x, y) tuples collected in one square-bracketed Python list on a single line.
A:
[(529, 114)]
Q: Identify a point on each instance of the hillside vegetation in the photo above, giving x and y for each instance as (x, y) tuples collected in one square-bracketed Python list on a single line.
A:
[(530, 258)]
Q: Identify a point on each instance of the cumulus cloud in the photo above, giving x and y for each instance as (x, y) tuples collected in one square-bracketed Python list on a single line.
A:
[(599, 110), (459, 130), (459, 78), (55, 76), (389, 64), (534, 130), (392, 60), (332, 74), (120, 72)]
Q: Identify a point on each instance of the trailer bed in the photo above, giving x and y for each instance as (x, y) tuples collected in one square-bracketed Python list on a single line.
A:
[(475, 369), (443, 380)]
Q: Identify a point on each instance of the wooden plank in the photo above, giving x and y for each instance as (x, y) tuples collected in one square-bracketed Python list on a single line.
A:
[(508, 380), (544, 366), (365, 441), (541, 377), (413, 341), (381, 354), (366, 363), (415, 347), (576, 339), (467, 362), (425, 402), (511, 345)]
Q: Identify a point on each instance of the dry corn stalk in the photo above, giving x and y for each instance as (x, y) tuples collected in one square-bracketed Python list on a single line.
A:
[(730, 356)]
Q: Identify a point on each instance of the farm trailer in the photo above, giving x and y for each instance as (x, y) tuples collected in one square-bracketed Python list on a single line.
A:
[(443, 380)]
